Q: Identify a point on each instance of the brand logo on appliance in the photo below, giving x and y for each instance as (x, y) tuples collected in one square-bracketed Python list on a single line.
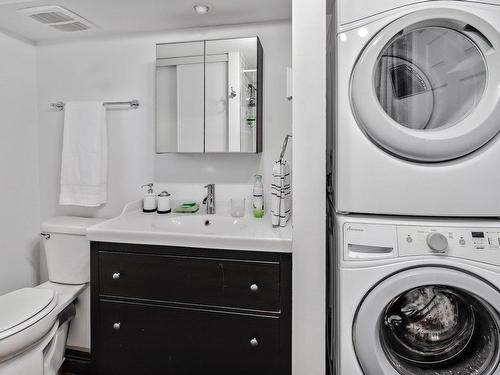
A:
[(352, 229)]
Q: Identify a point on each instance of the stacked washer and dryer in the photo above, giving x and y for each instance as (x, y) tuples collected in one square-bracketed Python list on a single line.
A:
[(415, 234)]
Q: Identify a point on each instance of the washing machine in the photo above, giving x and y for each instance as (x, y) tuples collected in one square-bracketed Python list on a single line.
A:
[(415, 297), (418, 108)]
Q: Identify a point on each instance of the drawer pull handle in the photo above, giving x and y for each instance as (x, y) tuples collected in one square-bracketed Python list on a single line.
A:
[(254, 342), (116, 326), (254, 287), (116, 276)]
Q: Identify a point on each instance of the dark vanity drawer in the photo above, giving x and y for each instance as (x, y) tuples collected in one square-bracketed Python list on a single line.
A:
[(146, 339), (242, 284)]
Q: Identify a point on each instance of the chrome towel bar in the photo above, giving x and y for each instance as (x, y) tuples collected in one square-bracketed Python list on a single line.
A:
[(133, 104)]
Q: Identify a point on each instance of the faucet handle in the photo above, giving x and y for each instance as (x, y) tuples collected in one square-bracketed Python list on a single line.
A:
[(210, 199)]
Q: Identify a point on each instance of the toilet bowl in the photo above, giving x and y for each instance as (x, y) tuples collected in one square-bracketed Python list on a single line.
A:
[(34, 322)]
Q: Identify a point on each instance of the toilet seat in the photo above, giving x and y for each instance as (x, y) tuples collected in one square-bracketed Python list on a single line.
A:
[(22, 305), (22, 322)]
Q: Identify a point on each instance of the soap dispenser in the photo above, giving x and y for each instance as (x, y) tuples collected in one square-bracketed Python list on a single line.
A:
[(258, 197), (164, 203), (149, 202)]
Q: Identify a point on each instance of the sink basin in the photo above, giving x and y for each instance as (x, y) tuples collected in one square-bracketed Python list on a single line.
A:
[(193, 230), (203, 224)]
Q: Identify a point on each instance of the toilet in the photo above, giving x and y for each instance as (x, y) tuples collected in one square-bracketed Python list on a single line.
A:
[(34, 322)]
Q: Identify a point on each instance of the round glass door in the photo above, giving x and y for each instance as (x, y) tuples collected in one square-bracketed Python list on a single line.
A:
[(438, 330), (430, 78), (407, 326), (425, 88)]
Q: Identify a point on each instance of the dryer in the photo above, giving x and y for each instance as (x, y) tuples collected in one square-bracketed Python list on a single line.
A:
[(418, 108), (416, 297)]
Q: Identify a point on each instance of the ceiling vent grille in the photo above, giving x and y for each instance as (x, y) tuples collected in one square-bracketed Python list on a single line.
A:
[(51, 17), (57, 17), (73, 26)]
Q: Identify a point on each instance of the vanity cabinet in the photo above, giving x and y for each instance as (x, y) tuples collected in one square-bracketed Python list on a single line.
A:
[(184, 311)]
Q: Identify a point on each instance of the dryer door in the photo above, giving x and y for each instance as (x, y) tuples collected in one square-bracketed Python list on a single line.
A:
[(429, 320), (426, 88)]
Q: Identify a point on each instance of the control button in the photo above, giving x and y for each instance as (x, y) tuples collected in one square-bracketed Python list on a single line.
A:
[(461, 241), (437, 242), (409, 239)]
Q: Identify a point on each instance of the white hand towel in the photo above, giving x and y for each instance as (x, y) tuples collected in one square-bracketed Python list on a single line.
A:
[(281, 194), (84, 166)]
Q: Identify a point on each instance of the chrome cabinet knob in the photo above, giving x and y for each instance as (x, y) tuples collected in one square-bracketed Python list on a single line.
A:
[(254, 342), (116, 276), (116, 326), (254, 287)]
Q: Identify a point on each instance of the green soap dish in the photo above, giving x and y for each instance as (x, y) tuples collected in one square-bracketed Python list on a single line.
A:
[(188, 208)]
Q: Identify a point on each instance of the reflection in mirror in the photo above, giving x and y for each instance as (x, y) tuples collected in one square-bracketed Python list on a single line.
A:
[(209, 96), (231, 95), (180, 97)]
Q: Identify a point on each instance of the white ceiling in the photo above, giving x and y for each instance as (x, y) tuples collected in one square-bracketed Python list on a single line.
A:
[(113, 17)]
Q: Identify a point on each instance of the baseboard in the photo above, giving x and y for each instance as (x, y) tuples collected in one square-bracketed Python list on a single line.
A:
[(76, 363)]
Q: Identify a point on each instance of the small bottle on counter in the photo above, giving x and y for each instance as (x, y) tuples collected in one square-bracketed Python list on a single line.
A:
[(258, 197), (164, 206), (149, 201)]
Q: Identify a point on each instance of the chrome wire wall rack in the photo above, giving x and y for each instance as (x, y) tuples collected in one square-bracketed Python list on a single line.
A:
[(134, 104)]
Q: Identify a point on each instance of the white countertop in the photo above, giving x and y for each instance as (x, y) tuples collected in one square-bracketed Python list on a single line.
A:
[(192, 230)]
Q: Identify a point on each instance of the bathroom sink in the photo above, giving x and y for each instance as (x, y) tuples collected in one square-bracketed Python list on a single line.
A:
[(202, 224), (220, 231)]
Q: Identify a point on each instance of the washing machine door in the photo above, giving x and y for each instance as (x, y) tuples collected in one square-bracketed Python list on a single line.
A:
[(427, 87), (429, 320)]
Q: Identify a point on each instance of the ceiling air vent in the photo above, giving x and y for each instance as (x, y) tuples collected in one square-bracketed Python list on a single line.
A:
[(73, 26), (57, 17), (51, 17)]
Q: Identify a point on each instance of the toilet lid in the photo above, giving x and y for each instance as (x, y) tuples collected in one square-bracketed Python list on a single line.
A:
[(21, 305)]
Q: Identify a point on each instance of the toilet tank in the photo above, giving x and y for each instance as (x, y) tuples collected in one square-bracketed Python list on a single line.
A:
[(67, 249)]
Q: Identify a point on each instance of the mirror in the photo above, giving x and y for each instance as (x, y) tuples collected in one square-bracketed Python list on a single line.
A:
[(209, 96), (180, 97)]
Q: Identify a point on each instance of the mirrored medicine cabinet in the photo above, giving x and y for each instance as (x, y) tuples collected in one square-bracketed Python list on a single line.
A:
[(209, 96)]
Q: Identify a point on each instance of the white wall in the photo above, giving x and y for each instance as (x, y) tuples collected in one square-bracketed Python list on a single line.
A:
[(276, 40), (19, 201), (123, 68), (309, 144)]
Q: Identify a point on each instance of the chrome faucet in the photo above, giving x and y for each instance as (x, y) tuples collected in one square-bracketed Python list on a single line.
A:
[(210, 199)]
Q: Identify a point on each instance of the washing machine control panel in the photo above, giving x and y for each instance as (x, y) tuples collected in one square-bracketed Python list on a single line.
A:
[(482, 244)]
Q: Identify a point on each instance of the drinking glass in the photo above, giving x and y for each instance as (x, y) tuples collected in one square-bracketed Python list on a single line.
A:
[(237, 207)]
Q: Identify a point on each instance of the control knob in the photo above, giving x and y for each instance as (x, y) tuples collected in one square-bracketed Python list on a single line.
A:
[(437, 242)]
